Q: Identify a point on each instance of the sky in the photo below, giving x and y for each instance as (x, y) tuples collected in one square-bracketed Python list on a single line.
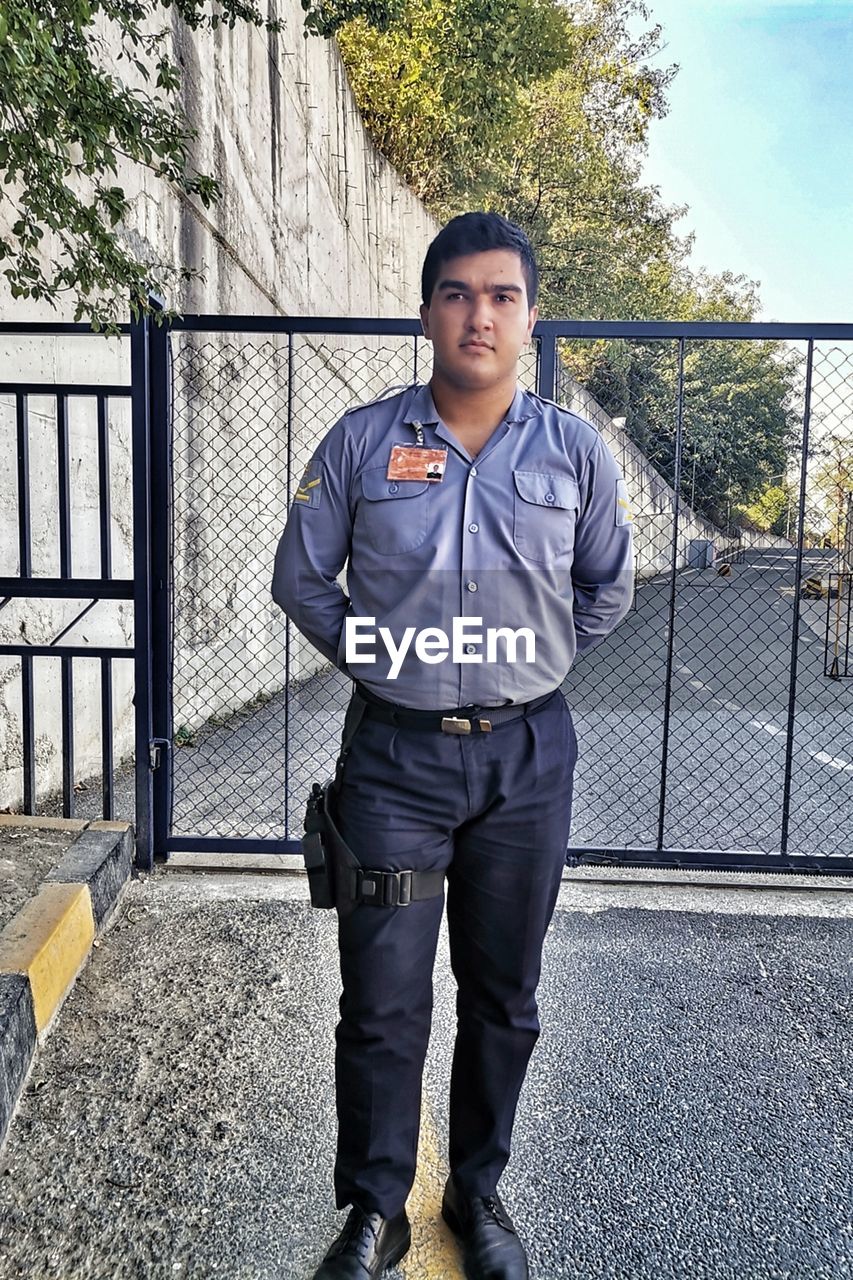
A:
[(759, 143)]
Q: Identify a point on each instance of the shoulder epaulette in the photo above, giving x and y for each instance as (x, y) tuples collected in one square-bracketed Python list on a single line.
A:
[(555, 403), (564, 408), (385, 394)]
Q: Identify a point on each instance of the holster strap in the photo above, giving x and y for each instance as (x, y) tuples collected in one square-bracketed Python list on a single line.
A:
[(395, 888), (372, 885)]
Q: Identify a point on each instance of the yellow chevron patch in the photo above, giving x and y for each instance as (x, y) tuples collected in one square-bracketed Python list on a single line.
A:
[(310, 487), (624, 514)]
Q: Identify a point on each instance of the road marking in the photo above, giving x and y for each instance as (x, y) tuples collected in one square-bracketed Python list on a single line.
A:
[(775, 730), (767, 726), (761, 964), (833, 761), (434, 1254)]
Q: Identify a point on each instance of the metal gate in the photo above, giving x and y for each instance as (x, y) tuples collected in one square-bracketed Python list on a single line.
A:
[(715, 724), (711, 731), (40, 659)]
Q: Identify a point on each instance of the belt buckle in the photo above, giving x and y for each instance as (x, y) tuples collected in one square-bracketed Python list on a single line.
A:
[(455, 724), (485, 725)]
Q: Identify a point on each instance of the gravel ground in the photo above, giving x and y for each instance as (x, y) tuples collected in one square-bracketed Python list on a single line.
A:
[(688, 1109), (26, 856)]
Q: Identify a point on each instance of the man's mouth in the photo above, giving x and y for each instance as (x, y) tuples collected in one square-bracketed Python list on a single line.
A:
[(483, 346)]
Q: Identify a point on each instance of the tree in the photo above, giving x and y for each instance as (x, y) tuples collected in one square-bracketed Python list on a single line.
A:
[(449, 90), (605, 243), (439, 89), (65, 118), (545, 123), (831, 484), (572, 92), (740, 418), (773, 511)]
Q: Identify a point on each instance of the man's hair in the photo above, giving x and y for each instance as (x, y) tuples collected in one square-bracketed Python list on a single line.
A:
[(477, 233)]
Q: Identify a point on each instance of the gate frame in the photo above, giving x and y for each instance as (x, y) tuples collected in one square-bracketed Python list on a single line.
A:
[(547, 332)]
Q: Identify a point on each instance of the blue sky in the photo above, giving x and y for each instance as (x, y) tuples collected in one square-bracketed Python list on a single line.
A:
[(759, 143)]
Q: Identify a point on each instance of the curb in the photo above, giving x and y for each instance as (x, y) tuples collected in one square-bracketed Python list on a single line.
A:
[(47, 943)]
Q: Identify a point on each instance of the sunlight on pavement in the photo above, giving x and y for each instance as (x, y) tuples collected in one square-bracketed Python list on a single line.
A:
[(434, 1254)]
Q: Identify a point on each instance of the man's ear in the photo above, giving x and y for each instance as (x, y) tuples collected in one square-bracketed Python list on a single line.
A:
[(425, 319), (531, 321)]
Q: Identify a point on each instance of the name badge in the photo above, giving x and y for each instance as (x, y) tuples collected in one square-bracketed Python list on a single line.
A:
[(416, 462)]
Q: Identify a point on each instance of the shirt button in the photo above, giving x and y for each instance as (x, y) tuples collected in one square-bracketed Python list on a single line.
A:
[(392, 488), (473, 528), (470, 648), (473, 471), (549, 497), (472, 586)]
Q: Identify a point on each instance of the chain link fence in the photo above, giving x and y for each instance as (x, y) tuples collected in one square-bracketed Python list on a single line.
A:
[(715, 717), (257, 711), (708, 714), (718, 716)]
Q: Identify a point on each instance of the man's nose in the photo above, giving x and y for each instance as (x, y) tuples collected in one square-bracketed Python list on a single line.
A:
[(480, 314)]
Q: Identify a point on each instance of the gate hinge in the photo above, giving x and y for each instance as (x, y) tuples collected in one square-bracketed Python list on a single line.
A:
[(155, 746)]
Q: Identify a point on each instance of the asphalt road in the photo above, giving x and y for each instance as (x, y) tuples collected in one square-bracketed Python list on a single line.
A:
[(688, 1111), (726, 737)]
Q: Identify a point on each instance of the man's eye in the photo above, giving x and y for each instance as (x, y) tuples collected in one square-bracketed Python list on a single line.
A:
[(506, 296)]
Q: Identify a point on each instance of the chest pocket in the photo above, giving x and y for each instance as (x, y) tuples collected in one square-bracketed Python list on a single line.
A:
[(545, 511), (393, 514)]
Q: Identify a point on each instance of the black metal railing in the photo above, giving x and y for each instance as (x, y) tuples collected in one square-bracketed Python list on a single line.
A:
[(27, 584)]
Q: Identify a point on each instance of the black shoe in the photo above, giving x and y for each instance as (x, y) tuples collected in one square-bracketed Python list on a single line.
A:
[(491, 1247), (367, 1245)]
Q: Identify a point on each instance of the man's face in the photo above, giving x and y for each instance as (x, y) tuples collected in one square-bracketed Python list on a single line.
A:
[(479, 319)]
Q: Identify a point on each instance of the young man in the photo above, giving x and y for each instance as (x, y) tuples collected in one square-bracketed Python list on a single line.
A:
[(487, 541)]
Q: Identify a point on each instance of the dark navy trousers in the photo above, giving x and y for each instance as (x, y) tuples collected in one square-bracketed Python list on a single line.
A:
[(493, 810)]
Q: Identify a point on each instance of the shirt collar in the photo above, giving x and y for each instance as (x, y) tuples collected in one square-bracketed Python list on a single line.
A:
[(422, 407)]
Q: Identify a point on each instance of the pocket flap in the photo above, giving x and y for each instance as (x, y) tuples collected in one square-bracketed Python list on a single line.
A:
[(375, 485), (548, 490)]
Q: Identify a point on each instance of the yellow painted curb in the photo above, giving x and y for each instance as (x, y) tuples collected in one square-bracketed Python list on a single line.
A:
[(48, 941)]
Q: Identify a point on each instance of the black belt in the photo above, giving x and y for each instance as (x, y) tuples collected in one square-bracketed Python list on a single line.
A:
[(471, 719)]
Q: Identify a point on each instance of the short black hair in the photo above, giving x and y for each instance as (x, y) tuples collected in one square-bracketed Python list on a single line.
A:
[(477, 233)]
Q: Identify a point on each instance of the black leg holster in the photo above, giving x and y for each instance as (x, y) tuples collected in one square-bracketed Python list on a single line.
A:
[(336, 878)]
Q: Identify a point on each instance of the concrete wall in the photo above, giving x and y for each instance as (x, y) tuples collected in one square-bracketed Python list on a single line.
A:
[(312, 221), (764, 541), (654, 500)]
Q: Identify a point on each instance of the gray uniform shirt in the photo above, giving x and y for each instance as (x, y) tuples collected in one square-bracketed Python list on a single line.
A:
[(533, 535)]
